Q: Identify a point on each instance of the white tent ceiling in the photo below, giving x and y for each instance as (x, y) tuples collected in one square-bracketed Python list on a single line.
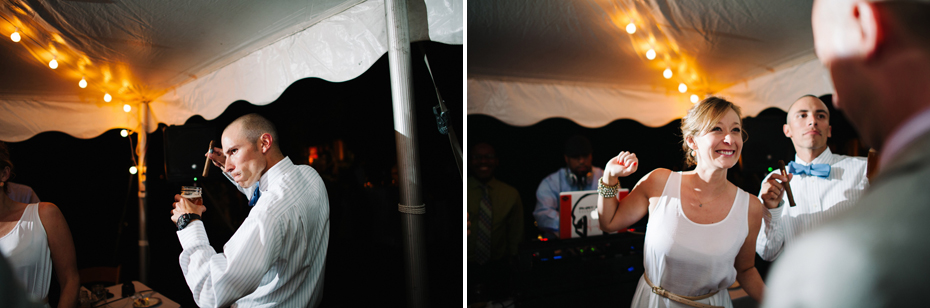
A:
[(531, 60), (186, 57)]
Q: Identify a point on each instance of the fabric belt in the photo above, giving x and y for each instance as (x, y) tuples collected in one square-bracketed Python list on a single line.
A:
[(687, 300)]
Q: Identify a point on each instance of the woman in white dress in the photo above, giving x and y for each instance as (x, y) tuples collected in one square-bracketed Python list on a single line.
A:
[(34, 238), (701, 233)]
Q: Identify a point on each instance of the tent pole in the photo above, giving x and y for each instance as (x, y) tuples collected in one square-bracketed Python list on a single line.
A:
[(140, 151), (410, 206)]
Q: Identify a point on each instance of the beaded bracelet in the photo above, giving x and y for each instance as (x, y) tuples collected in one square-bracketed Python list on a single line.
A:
[(607, 191)]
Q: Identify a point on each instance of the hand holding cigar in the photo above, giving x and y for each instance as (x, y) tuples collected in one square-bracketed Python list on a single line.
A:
[(781, 166), (775, 187)]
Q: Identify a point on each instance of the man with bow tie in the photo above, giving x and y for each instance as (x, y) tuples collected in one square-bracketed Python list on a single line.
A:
[(823, 184)]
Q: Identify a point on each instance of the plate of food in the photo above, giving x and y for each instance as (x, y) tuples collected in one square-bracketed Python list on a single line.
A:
[(146, 302)]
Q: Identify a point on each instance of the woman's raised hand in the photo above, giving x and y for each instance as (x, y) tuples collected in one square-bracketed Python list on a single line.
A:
[(621, 165)]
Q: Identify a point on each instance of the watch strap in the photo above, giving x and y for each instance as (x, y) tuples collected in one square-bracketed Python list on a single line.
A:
[(186, 219)]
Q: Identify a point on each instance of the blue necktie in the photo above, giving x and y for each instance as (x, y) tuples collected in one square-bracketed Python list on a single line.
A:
[(821, 170), (255, 195)]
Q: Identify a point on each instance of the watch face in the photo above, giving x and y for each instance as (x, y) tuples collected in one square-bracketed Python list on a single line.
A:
[(183, 221)]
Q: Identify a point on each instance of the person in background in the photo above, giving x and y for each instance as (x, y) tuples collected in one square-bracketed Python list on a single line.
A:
[(35, 238), (18, 192), (702, 229), (22, 193), (875, 254), (498, 227), (578, 174), (819, 192)]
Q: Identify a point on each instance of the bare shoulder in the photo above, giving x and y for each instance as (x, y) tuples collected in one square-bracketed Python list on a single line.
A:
[(659, 174), (49, 212), (654, 180), (755, 207)]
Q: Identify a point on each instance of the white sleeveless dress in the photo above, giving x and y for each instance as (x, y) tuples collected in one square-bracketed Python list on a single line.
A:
[(687, 258), (26, 249)]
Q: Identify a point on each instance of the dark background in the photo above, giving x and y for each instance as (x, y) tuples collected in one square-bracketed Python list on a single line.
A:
[(89, 181), (528, 154)]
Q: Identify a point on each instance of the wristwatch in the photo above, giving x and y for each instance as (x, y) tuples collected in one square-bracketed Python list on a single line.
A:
[(186, 219)]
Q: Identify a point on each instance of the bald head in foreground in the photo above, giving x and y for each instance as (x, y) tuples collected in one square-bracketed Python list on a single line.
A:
[(277, 256), (875, 255)]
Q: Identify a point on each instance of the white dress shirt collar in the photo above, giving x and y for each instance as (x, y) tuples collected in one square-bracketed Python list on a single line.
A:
[(826, 157), (904, 135), (274, 173)]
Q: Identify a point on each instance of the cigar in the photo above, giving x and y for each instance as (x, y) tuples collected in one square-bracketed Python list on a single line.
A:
[(871, 164), (781, 165), (206, 164)]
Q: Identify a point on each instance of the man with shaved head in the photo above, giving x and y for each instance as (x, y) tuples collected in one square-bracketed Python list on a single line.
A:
[(823, 184), (875, 254), (277, 256)]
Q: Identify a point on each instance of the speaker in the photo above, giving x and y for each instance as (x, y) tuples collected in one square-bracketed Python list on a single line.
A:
[(184, 149)]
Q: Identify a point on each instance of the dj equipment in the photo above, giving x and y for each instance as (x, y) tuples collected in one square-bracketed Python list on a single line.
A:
[(535, 254), (573, 272)]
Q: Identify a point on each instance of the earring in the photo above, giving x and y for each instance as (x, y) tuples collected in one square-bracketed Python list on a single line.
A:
[(692, 153)]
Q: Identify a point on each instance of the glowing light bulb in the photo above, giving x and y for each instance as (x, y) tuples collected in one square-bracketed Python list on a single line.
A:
[(15, 36), (127, 108), (133, 170), (124, 133), (667, 73), (53, 64), (650, 54), (107, 97), (631, 28), (694, 98), (682, 88), (83, 83)]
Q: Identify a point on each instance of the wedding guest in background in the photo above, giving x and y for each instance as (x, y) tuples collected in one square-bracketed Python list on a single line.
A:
[(498, 227), (819, 192), (35, 238)]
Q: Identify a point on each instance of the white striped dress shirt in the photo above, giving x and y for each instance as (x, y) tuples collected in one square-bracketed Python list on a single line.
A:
[(277, 256), (818, 200)]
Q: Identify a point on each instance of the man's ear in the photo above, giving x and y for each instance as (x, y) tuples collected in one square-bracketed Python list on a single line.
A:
[(787, 129), (870, 28), (266, 141)]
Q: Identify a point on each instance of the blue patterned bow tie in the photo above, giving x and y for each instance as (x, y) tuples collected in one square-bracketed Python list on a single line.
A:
[(255, 195), (821, 170)]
